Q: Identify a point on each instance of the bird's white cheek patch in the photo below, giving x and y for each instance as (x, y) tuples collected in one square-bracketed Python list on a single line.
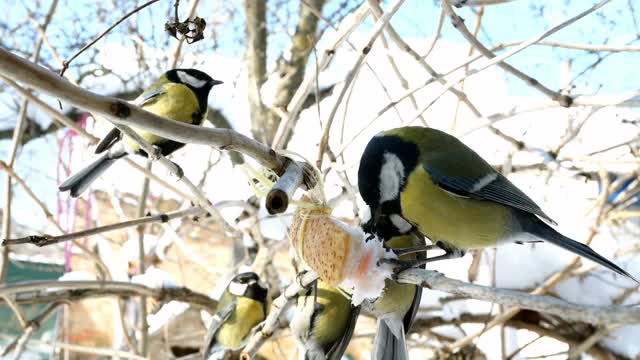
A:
[(237, 289), (191, 80), (400, 223), (391, 175)]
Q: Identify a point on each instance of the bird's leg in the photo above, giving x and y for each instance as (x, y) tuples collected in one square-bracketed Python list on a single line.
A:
[(414, 249), (411, 263)]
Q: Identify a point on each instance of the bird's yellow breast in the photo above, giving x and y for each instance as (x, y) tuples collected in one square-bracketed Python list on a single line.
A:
[(178, 103), (460, 222), (331, 324), (232, 333)]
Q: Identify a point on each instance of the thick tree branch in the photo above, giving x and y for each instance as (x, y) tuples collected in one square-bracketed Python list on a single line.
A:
[(545, 304), (291, 69), (256, 58), (123, 113)]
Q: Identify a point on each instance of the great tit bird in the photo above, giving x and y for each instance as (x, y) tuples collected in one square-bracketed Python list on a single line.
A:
[(249, 302), (179, 94), (415, 178), (395, 309), (323, 322)]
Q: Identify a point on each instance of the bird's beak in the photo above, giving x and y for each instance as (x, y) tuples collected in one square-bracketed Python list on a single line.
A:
[(215, 82)]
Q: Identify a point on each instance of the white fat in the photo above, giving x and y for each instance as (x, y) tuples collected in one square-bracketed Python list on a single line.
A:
[(191, 80), (362, 274), (484, 181), (237, 289), (400, 223), (391, 175)]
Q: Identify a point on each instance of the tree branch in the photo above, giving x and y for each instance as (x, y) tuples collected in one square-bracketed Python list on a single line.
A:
[(546, 304), (123, 113), (256, 58), (277, 307), (37, 292)]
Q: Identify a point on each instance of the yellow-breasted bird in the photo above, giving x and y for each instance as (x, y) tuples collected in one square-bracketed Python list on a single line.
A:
[(248, 300), (179, 94), (323, 322), (395, 309), (415, 178)]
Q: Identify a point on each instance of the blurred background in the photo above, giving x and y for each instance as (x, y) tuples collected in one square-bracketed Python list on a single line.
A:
[(291, 71)]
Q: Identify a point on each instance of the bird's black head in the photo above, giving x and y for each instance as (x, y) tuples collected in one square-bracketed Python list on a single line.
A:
[(248, 285), (199, 82), (385, 164)]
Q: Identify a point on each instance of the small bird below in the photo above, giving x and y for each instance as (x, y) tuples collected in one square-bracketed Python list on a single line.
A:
[(243, 305), (417, 179), (179, 94), (396, 309), (323, 323)]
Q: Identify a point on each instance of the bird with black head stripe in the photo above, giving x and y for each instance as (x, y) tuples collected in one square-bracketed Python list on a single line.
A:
[(179, 94), (425, 180), (249, 301)]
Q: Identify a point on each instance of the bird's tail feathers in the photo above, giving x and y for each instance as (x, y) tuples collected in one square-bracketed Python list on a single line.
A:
[(387, 345), (80, 181), (546, 232)]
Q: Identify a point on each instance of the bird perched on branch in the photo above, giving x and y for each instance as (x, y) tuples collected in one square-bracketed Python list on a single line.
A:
[(396, 308), (179, 94), (244, 304), (323, 322), (425, 180)]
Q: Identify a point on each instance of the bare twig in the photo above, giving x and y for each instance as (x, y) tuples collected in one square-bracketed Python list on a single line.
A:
[(65, 64), (278, 197), (19, 344), (13, 151), (382, 22), (57, 345), (295, 105), (53, 221), (476, 28), (193, 5), (16, 310), (402, 44), (458, 23), (436, 34), (470, 3), (47, 291), (144, 326), (585, 47)]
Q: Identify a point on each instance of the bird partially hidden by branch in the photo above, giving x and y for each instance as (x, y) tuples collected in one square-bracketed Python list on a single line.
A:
[(179, 94)]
